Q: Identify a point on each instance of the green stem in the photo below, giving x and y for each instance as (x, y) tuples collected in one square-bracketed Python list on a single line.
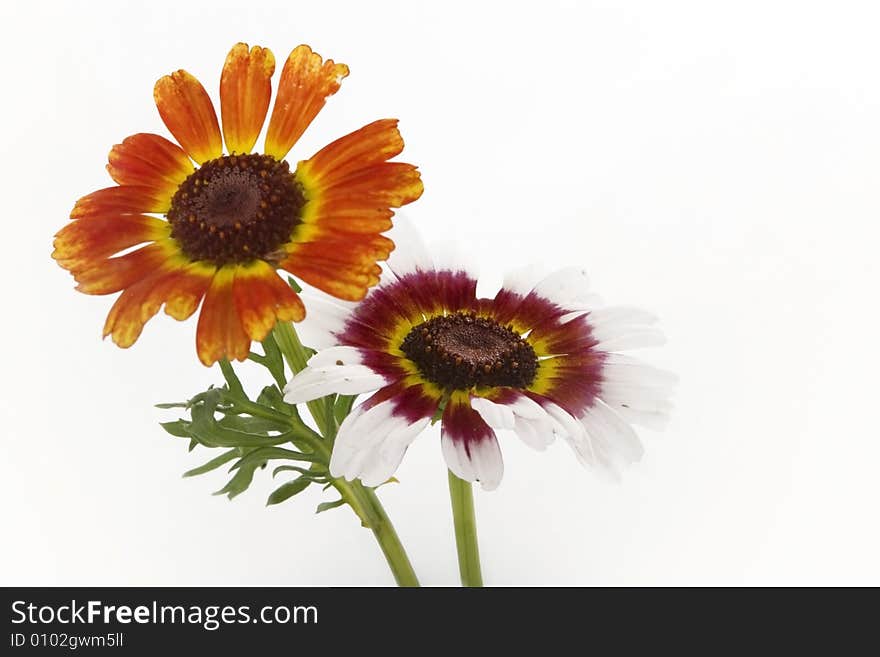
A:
[(362, 500), (389, 541), (372, 514), (461, 494), (296, 356)]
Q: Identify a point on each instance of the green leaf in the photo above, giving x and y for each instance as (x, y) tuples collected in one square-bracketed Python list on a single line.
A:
[(211, 433), (248, 464), (292, 282), (271, 396), (274, 360), (326, 506), (187, 404), (214, 463), (343, 407), (288, 490), (268, 453), (178, 428), (295, 468), (252, 425), (232, 380)]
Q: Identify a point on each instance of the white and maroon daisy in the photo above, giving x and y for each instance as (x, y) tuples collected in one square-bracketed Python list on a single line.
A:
[(539, 359)]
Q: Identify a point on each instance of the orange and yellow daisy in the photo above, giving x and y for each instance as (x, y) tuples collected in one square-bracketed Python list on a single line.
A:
[(230, 220)]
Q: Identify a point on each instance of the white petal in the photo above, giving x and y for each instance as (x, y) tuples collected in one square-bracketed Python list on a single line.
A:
[(633, 339), (636, 394), (621, 315), (336, 356), (636, 373), (483, 463), (565, 422), (314, 382), (488, 463), (346, 446), (532, 423), (616, 439), (449, 256), (359, 435), (325, 318), (385, 460), (572, 431), (523, 279), (537, 434), (497, 416), (644, 403), (525, 407), (574, 314), (410, 253), (567, 288), (656, 420), (456, 459)]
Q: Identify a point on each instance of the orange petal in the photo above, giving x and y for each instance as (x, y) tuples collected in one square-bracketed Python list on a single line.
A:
[(220, 333), (354, 218), (188, 113), (288, 306), (245, 90), (261, 297), (140, 302), (306, 82), (133, 309), (150, 161), (189, 286), (84, 242), (348, 283), (123, 199), (351, 175), (387, 184), (115, 274), (362, 251), (375, 142)]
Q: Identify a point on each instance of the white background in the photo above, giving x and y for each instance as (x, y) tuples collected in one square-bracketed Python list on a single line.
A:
[(718, 163)]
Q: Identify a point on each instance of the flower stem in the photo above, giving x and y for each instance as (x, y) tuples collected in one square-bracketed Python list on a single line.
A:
[(361, 499), (461, 494), (389, 541), (296, 356)]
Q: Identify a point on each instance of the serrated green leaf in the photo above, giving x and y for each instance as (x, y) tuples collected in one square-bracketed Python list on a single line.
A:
[(246, 466), (232, 380), (295, 468), (214, 463), (177, 428), (269, 453), (326, 506), (288, 490), (274, 360), (206, 430), (271, 396), (343, 407), (187, 404), (252, 425)]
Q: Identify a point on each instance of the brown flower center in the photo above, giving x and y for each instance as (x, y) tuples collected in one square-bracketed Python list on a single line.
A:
[(236, 208), (462, 351)]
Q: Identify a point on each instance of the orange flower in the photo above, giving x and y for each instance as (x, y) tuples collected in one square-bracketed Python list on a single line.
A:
[(232, 220)]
